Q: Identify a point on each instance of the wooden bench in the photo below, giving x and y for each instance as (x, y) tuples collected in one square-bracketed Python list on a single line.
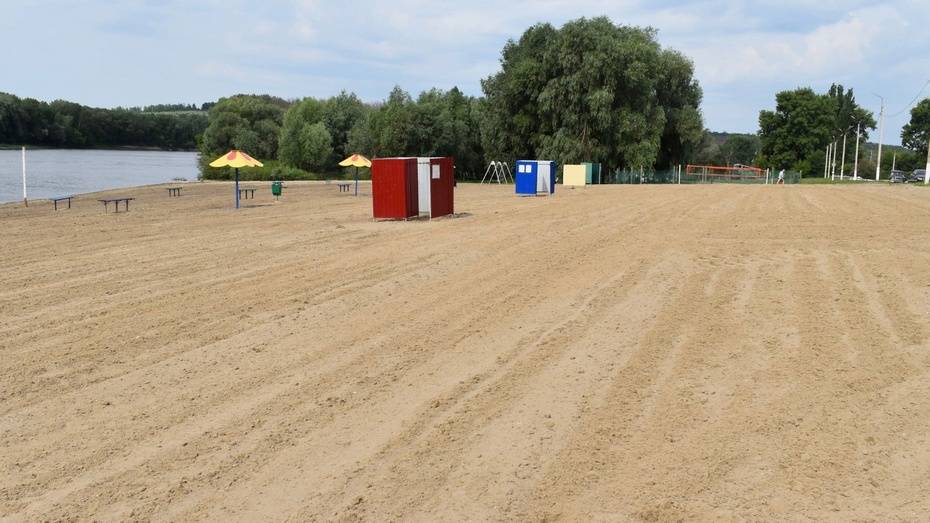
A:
[(106, 203), (343, 187), (246, 193), (173, 191), (57, 199)]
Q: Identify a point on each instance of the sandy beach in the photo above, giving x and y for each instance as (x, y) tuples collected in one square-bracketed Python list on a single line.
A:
[(615, 353)]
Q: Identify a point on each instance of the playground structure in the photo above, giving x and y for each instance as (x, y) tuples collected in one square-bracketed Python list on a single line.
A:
[(499, 172)]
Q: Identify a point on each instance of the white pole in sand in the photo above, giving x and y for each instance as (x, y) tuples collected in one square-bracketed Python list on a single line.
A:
[(927, 170), (25, 198)]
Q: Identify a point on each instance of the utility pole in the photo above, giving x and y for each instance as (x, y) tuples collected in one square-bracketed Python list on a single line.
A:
[(927, 170), (843, 161), (856, 163), (881, 136), (833, 162), (894, 160), (826, 163)]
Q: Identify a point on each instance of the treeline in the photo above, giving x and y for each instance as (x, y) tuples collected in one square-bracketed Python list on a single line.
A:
[(796, 134), (25, 121), (588, 91)]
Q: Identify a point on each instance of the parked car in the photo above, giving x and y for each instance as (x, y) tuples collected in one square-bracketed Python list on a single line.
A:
[(917, 176), (897, 177)]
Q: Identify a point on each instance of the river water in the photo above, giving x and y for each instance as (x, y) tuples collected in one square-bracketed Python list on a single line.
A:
[(59, 172)]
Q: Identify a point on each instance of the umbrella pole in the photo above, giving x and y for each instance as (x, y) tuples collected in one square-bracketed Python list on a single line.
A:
[(237, 187), (356, 181)]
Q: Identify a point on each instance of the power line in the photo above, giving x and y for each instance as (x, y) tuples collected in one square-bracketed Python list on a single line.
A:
[(902, 111)]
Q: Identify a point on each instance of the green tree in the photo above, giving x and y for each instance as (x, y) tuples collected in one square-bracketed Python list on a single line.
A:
[(916, 133), (741, 149), (340, 114), (591, 91), (795, 135), (247, 122), (297, 119), (317, 145)]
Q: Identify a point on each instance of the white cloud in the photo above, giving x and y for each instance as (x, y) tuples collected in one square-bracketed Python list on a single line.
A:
[(744, 50)]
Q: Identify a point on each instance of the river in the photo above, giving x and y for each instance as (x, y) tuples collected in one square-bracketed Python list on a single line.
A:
[(58, 172)]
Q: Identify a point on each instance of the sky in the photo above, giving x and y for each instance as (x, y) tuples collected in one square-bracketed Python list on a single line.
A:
[(108, 53)]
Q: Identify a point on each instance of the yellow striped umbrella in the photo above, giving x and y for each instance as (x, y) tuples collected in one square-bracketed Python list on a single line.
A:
[(236, 159), (356, 160)]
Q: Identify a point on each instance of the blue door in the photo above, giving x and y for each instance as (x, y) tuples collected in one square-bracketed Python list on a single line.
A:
[(525, 177)]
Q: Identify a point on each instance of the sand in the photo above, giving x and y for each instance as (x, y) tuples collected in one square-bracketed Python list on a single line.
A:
[(617, 353)]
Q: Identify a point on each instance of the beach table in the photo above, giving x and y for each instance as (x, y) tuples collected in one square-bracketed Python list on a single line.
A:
[(57, 199), (173, 191), (246, 193), (343, 187), (106, 203)]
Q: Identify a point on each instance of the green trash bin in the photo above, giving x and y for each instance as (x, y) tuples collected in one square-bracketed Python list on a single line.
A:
[(276, 189)]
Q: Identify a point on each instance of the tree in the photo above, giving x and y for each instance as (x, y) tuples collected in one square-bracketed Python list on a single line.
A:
[(297, 119), (67, 124), (317, 145), (916, 133), (741, 149), (797, 131), (340, 114), (591, 91), (796, 134), (248, 122)]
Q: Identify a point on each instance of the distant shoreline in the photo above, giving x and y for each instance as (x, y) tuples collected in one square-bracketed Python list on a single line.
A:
[(8, 147)]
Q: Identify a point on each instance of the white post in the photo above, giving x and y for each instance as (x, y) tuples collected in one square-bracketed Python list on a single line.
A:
[(833, 164), (894, 160), (927, 170), (826, 162), (843, 161), (25, 198), (881, 136), (856, 162)]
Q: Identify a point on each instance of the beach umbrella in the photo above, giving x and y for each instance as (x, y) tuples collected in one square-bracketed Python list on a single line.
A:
[(236, 159), (356, 160)]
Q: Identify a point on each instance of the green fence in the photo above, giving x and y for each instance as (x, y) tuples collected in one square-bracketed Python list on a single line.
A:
[(671, 176)]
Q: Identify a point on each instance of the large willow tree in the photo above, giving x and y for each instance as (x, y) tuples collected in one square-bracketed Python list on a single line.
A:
[(592, 91)]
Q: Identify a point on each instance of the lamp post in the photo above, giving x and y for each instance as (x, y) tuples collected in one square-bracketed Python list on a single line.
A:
[(856, 162), (843, 161), (927, 170), (826, 163), (881, 136)]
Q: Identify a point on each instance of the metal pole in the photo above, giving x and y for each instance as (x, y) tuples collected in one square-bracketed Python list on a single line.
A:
[(894, 160), (843, 161), (856, 163), (356, 181), (833, 163), (826, 162), (25, 197), (881, 136), (237, 187), (927, 170)]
